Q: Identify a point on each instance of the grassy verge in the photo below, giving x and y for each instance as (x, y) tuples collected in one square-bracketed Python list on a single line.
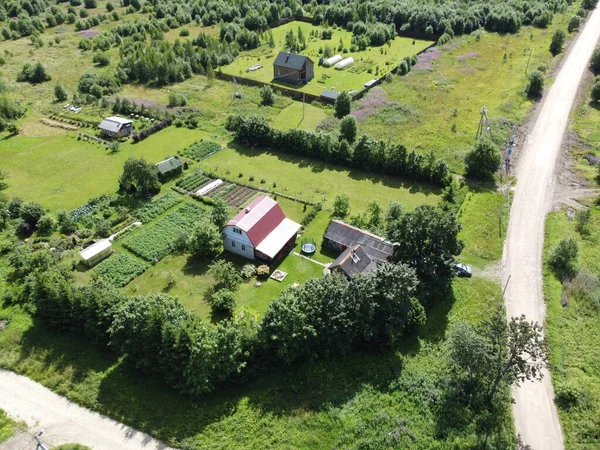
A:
[(8, 427), (574, 339)]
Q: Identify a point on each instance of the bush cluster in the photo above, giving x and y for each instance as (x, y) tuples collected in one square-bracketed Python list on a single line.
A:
[(137, 137), (366, 153)]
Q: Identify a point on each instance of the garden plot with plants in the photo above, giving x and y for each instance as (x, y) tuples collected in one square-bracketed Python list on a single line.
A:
[(372, 62), (119, 270), (156, 240)]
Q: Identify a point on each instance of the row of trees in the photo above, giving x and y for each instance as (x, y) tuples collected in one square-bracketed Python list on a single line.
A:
[(366, 153)]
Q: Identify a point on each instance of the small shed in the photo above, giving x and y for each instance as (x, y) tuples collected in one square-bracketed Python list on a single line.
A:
[(116, 126), (96, 252), (329, 96), (371, 83), (169, 167)]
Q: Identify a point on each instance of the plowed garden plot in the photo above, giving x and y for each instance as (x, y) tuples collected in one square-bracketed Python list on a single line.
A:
[(155, 241), (238, 196), (192, 182)]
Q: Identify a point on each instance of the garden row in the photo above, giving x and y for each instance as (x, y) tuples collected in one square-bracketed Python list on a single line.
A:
[(158, 206), (201, 150), (62, 126), (192, 182), (155, 241)]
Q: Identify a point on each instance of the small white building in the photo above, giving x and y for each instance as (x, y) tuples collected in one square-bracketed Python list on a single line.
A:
[(96, 252), (260, 231), (332, 61), (116, 126), (344, 63)]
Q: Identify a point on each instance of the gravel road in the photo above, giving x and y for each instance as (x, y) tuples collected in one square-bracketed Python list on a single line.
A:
[(534, 412), (63, 421)]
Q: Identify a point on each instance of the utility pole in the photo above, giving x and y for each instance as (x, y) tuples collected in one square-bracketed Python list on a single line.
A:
[(529, 59), (40, 445), (484, 124), (303, 102)]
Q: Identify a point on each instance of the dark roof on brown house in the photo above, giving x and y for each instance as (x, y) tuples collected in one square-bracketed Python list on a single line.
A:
[(291, 60), (348, 236)]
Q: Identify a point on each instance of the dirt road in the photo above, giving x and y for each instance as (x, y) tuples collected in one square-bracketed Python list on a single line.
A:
[(64, 421), (535, 414)]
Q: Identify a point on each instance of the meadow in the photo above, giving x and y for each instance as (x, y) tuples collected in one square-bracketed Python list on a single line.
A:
[(374, 62), (573, 337), (437, 106)]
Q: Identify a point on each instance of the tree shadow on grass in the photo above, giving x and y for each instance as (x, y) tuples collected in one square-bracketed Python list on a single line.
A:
[(317, 166)]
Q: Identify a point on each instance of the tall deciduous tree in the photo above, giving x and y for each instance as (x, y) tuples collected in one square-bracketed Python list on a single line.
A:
[(205, 239), (341, 206), (484, 160), (139, 176), (60, 93), (343, 104), (348, 128), (220, 213), (428, 241)]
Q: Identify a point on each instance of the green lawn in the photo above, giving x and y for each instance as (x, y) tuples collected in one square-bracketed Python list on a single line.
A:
[(586, 123), (317, 181), (574, 337), (437, 106), (297, 115), (354, 77), (61, 172)]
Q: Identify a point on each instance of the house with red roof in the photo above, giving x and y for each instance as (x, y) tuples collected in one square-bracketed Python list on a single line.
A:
[(260, 231)]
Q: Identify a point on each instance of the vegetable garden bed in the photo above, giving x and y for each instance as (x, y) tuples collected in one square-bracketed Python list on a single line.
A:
[(120, 269), (158, 206), (155, 241), (200, 150)]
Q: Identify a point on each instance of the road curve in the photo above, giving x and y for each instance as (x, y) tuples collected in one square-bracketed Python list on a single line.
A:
[(534, 412), (63, 421)]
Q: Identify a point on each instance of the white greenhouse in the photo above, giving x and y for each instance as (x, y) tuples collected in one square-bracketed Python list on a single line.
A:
[(95, 253), (344, 63), (332, 61)]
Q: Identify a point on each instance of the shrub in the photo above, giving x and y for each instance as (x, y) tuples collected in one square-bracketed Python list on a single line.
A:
[(585, 287), (176, 99), (582, 220), (33, 73), (101, 59), (348, 128), (184, 32), (484, 160), (563, 258), (574, 24), (595, 94), (109, 7), (267, 96), (558, 40), (46, 224), (60, 93), (223, 301), (263, 271), (595, 60), (536, 84), (32, 213), (343, 104), (248, 271)]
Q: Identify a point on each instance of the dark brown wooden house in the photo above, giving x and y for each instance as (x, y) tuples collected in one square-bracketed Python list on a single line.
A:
[(293, 68)]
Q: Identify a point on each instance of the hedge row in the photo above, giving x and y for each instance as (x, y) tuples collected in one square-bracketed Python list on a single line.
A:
[(137, 137), (365, 154)]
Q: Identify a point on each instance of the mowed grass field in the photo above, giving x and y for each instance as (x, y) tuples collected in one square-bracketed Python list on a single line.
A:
[(60, 172), (297, 115), (437, 106), (317, 181), (573, 334), (354, 77)]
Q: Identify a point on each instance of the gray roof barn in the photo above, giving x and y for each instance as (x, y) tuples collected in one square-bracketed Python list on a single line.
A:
[(346, 236), (113, 124), (329, 95), (168, 165), (290, 60)]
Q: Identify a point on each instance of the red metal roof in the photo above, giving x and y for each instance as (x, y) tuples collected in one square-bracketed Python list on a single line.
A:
[(259, 218)]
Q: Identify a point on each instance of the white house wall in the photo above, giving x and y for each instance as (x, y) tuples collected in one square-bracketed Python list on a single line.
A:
[(237, 243)]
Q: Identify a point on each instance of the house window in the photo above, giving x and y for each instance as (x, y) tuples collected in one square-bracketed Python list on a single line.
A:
[(237, 230), (233, 243), (243, 248)]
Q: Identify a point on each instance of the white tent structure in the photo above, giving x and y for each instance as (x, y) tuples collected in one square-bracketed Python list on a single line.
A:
[(95, 253), (332, 61), (344, 63)]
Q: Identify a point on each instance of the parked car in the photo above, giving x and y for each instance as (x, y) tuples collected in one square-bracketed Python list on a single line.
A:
[(254, 67), (463, 270)]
